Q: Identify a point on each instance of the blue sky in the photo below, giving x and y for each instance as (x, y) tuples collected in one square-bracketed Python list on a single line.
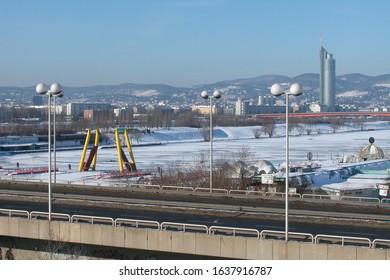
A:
[(187, 42)]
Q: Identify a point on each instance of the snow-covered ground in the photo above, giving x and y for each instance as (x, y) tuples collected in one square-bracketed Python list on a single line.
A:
[(182, 145)]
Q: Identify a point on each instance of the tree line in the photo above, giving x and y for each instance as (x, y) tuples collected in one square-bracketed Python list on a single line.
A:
[(33, 121)]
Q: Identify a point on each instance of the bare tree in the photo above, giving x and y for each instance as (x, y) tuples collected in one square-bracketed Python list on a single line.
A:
[(189, 119), (309, 129), (293, 124), (336, 124), (256, 132), (359, 123), (300, 129), (221, 176), (136, 135), (157, 117), (168, 119), (125, 117), (243, 154), (269, 129), (201, 160), (205, 132)]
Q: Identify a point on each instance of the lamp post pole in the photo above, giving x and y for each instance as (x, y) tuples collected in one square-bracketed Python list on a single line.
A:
[(49, 152), (211, 146), (216, 95), (54, 142), (55, 90), (295, 90), (61, 94), (287, 169)]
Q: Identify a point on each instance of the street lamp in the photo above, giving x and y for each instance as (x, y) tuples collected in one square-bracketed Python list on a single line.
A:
[(216, 95), (278, 90), (55, 90)]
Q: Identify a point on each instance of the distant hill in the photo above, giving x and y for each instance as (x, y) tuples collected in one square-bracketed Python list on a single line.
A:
[(250, 88)]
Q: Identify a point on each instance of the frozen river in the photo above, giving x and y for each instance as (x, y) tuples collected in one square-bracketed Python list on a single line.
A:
[(182, 146)]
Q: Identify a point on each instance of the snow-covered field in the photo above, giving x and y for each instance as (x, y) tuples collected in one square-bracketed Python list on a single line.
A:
[(182, 146)]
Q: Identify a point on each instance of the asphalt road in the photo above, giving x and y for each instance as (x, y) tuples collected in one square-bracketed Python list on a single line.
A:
[(360, 229)]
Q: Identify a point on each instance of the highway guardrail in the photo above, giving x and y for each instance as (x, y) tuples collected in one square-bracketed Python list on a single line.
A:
[(282, 234), (137, 223), (342, 239), (184, 227)]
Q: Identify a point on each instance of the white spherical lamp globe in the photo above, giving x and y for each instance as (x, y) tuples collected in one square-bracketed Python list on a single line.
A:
[(55, 88), (276, 90), (41, 88), (204, 94), (296, 89), (217, 94)]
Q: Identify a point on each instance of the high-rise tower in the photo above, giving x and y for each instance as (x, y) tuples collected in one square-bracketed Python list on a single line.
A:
[(327, 81)]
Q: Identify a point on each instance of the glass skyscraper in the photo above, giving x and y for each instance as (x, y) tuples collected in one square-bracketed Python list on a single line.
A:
[(327, 81)]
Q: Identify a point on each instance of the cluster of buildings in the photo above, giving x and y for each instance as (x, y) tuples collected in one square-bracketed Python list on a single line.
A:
[(99, 113), (265, 104)]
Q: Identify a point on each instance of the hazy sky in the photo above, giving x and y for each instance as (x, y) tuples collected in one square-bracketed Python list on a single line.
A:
[(187, 42)]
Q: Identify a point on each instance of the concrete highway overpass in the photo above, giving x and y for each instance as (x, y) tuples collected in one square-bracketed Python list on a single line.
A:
[(29, 235)]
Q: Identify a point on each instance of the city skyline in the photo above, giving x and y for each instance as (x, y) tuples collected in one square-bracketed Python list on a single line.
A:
[(184, 43)]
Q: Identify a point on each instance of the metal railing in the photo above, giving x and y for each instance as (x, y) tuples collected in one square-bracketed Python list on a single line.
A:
[(92, 219), (380, 242), (54, 216), (342, 239), (282, 194), (136, 223), (148, 187), (260, 193), (15, 213), (184, 227), (176, 188), (264, 234), (224, 191), (318, 196), (360, 199), (385, 200), (234, 231)]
